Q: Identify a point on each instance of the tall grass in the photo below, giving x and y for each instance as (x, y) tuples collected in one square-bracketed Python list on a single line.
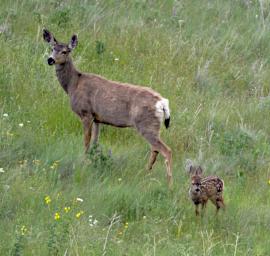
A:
[(209, 58)]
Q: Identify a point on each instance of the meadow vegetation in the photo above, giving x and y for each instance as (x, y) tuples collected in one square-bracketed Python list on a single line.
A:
[(209, 58)]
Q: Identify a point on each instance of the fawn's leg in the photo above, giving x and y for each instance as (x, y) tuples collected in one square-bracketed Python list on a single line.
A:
[(203, 207), (219, 204), (197, 210)]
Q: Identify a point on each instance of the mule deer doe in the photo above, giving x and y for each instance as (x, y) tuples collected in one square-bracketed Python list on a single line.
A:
[(97, 100), (204, 188)]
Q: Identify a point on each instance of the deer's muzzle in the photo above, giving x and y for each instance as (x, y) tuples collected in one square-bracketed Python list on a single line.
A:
[(51, 61)]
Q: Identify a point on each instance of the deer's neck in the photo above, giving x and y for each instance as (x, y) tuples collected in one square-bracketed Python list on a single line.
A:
[(67, 76)]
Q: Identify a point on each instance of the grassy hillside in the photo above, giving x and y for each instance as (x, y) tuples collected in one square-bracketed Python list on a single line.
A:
[(209, 58)]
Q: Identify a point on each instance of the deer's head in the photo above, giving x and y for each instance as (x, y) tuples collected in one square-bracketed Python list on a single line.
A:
[(60, 51), (196, 178)]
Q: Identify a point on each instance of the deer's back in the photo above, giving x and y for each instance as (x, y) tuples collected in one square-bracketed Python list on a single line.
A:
[(112, 102)]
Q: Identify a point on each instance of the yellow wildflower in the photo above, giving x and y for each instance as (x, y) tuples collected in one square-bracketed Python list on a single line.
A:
[(10, 134), (47, 199), (269, 182), (22, 163), (67, 209), (55, 164), (23, 230), (56, 216), (79, 214), (126, 225), (36, 162)]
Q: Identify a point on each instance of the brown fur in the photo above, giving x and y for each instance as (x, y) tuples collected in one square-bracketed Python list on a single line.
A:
[(203, 189), (97, 100)]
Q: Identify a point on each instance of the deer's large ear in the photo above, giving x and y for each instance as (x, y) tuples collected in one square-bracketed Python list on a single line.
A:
[(191, 170), (189, 166), (73, 42), (48, 37), (199, 170)]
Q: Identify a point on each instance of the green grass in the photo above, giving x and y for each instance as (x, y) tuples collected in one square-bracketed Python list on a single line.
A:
[(209, 58)]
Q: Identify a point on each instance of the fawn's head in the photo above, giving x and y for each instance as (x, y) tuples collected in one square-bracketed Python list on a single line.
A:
[(196, 178), (60, 51)]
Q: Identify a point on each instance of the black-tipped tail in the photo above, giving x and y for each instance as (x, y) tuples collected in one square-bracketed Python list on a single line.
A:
[(167, 122)]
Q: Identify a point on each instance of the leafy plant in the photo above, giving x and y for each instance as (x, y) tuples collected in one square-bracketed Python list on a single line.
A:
[(100, 47)]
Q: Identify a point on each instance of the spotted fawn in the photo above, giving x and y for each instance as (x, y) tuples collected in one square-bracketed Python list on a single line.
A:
[(204, 188)]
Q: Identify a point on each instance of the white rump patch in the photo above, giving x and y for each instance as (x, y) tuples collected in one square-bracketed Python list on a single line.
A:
[(162, 109)]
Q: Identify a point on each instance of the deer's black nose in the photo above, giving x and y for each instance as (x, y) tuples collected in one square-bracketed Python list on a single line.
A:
[(197, 190), (51, 61)]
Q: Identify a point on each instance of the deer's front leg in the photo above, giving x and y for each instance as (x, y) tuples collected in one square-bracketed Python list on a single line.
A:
[(87, 127)]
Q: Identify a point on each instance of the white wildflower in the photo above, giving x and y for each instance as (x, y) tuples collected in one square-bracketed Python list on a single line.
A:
[(116, 59), (79, 199), (2, 170), (6, 187), (4, 28), (92, 222), (5, 115), (21, 124)]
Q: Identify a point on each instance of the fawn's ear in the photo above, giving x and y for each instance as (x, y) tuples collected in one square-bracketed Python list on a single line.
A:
[(199, 170), (73, 42), (48, 37)]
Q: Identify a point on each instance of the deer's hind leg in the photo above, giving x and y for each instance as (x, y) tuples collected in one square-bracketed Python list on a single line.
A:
[(152, 159), (149, 129), (164, 150), (95, 132)]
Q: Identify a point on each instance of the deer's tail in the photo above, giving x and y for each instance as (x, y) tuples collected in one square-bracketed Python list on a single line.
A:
[(166, 110)]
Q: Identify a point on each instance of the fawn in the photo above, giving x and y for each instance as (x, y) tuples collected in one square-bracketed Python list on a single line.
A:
[(204, 188), (97, 100)]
